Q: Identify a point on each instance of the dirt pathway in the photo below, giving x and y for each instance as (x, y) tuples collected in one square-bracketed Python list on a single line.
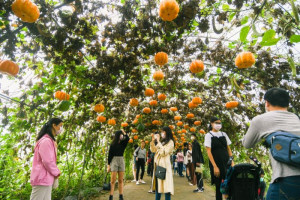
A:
[(183, 191)]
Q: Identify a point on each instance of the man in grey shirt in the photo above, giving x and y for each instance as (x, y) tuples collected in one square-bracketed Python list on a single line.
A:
[(285, 182)]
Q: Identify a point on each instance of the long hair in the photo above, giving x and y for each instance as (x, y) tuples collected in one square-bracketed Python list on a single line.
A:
[(48, 127), (116, 139), (212, 120), (169, 135)]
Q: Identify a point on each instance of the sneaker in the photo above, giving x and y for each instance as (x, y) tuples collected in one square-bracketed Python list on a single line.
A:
[(190, 184), (198, 190), (142, 181), (133, 181), (150, 191), (137, 182), (202, 189)]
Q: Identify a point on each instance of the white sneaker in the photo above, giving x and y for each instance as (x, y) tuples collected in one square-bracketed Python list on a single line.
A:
[(142, 181), (137, 182), (190, 184), (133, 181)]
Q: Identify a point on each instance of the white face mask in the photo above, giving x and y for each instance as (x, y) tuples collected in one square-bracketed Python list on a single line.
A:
[(217, 126), (121, 137), (59, 131), (193, 137), (163, 135)]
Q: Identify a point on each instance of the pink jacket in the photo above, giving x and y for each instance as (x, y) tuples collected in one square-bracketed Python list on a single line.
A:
[(180, 157), (44, 167)]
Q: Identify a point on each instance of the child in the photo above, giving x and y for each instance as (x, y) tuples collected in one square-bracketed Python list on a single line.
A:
[(176, 167)]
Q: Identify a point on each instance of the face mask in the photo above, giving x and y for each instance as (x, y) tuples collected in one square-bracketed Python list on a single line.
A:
[(193, 137), (121, 137), (217, 126), (163, 135), (261, 179), (59, 131)]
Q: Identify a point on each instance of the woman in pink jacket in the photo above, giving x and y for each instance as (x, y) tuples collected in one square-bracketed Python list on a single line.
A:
[(44, 168)]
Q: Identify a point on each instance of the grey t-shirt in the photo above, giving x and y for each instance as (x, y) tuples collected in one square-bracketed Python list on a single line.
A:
[(140, 153), (262, 125)]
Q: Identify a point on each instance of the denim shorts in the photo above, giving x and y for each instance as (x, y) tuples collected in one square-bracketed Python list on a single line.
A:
[(286, 188)]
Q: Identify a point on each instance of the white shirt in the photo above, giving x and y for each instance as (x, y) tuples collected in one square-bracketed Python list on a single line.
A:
[(208, 136)]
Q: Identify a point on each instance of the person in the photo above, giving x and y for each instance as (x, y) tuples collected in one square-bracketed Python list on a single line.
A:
[(285, 181), (185, 160), (140, 154), (198, 160), (180, 159), (218, 151), (262, 186), (44, 171), (190, 166), (134, 163), (116, 164), (176, 166), (163, 150), (151, 166), (148, 162)]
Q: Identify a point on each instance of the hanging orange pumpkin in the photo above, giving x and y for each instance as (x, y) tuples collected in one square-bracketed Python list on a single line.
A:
[(197, 100), (130, 140), (179, 132), (231, 104), (180, 123), (156, 122), (158, 75), (147, 142), (177, 118), (138, 116), (196, 66), (183, 131), (134, 102), (62, 95), (9, 67), (101, 119), (161, 58), (135, 121), (244, 60), (190, 115), (197, 123), (146, 110), (174, 109), (192, 129), (135, 137), (134, 130), (168, 10), (111, 122), (171, 127), (26, 10), (186, 126), (153, 103), (182, 138), (162, 97), (164, 111), (149, 92), (202, 131), (192, 105), (124, 124), (99, 108)]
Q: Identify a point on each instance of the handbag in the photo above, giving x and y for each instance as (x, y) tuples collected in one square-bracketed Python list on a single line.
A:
[(106, 186), (160, 172), (199, 169)]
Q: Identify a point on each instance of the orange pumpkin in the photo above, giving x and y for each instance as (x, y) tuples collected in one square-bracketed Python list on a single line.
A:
[(183, 131), (190, 115), (135, 137), (197, 100), (231, 104), (149, 92), (135, 121), (192, 105), (130, 140), (138, 116), (171, 127), (186, 126), (180, 123), (158, 75), (99, 108), (101, 119), (147, 124), (177, 118), (26, 10), (147, 142), (168, 10), (192, 129), (62, 95), (244, 60), (124, 124), (156, 122), (146, 110), (164, 111), (196, 66), (9, 67), (134, 102), (174, 109), (161, 58), (182, 138), (202, 131), (153, 103), (162, 97), (134, 130), (111, 122), (179, 132), (197, 123)]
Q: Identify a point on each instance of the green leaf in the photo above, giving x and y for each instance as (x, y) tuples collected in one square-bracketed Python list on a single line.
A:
[(269, 38), (244, 20), (244, 32), (231, 16), (295, 38), (225, 7)]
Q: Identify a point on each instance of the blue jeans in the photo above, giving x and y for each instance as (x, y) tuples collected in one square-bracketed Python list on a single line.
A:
[(287, 188), (158, 196), (180, 168)]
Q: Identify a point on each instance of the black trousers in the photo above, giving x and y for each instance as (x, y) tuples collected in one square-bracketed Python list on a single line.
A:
[(140, 164), (199, 180), (218, 185)]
